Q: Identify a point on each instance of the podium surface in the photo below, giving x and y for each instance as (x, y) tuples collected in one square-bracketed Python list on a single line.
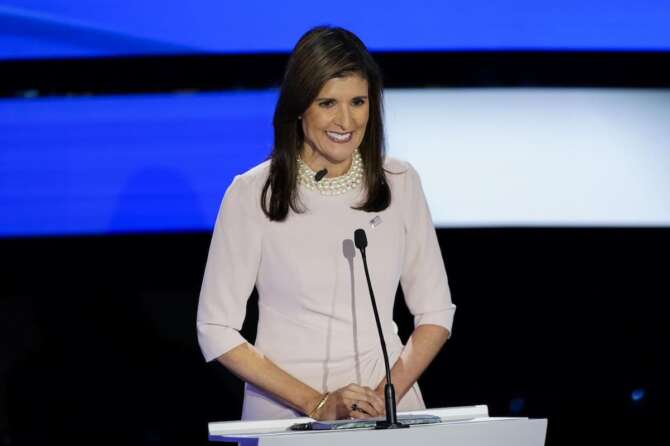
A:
[(460, 426)]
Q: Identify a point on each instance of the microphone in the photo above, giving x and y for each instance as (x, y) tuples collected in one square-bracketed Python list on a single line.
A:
[(320, 174), (361, 242)]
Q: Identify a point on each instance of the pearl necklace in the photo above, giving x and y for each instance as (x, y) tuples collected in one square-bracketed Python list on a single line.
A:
[(335, 185)]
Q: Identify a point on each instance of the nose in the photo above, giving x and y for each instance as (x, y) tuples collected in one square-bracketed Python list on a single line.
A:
[(343, 118)]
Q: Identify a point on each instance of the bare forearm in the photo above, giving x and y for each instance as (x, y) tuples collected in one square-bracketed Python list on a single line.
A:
[(420, 350), (253, 367)]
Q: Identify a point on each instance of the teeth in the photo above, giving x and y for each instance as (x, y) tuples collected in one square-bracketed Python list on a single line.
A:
[(339, 136)]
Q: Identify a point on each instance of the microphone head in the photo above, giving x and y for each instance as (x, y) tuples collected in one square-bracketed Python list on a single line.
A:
[(320, 174), (360, 239)]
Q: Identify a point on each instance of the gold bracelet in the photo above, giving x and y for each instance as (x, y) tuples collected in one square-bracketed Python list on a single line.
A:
[(319, 405)]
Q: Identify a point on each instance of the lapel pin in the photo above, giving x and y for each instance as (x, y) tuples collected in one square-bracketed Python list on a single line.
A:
[(376, 221)]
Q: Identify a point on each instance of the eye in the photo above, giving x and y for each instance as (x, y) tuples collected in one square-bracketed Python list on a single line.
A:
[(327, 103), (358, 102)]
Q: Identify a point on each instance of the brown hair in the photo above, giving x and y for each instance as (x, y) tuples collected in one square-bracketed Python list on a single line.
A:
[(321, 54)]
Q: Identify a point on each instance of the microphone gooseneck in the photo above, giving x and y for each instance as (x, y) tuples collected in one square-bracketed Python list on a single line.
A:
[(361, 242), (320, 174)]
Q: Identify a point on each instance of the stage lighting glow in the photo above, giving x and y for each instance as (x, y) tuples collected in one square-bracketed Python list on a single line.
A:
[(637, 395), (516, 405)]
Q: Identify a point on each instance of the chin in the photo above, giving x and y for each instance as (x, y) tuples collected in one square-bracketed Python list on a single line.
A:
[(340, 153)]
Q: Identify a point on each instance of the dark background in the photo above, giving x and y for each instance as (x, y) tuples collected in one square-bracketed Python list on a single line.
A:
[(97, 333), (557, 323)]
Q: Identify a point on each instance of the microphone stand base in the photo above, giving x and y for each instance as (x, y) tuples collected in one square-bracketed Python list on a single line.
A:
[(388, 425)]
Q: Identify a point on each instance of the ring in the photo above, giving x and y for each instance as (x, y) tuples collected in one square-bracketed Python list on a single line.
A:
[(354, 407)]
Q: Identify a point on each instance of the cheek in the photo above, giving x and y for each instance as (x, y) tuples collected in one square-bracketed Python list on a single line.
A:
[(362, 124), (314, 123), (362, 119)]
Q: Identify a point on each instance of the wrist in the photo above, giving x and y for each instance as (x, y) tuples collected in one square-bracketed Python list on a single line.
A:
[(316, 409), (308, 404)]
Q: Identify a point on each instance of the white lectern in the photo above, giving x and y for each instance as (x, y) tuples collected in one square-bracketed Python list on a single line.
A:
[(460, 426)]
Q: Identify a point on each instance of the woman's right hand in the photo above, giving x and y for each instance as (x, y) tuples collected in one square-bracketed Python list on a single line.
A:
[(342, 404)]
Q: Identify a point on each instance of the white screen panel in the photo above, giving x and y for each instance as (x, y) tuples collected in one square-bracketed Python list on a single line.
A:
[(537, 157)]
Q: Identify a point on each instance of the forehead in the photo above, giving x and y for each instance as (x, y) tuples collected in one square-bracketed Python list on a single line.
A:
[(351, 85)]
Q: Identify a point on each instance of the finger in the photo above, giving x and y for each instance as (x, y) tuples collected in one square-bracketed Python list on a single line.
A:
[(376, 400), (379, 407), (354, 389), (358, 414), (377, 397), (359, 389), (358, 393), (369, 409), (364, 407)]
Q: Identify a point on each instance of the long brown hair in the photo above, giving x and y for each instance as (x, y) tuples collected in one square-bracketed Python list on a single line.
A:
[(321, 54)]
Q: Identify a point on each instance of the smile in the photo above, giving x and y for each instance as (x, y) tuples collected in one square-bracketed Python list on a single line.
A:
[(339, 137)]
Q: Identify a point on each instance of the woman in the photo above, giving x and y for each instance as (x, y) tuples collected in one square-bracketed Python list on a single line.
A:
[(286, 226)]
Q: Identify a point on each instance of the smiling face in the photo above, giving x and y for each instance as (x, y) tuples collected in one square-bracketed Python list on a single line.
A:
[(334, 124)]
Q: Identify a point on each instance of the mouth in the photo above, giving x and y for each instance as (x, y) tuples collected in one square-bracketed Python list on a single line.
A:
[(339, 137)]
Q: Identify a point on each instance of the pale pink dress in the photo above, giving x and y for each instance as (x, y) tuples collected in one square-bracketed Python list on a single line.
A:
[(315, 316)]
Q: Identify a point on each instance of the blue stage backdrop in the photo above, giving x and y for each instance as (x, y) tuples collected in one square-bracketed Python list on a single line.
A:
[(125, 163), (78, 28), (487, 157)]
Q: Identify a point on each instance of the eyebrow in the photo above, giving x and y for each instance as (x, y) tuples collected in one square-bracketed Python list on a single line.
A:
[(332, 99)]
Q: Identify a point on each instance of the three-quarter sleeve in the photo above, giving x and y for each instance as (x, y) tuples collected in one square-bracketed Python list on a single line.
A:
[(231, 270), (424, 277)]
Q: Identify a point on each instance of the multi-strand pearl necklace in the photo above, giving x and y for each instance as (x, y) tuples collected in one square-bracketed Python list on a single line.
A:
[(335, 185)]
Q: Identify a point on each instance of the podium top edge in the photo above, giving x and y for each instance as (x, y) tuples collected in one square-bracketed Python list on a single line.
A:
[(221, 428)]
